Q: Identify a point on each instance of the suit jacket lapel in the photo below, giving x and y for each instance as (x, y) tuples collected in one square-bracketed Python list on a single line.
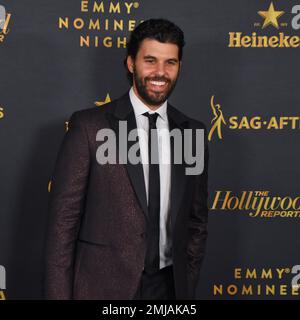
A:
[(178, 177), (123, 111)]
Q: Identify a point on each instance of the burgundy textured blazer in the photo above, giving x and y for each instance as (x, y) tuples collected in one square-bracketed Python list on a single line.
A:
[(96, 238)]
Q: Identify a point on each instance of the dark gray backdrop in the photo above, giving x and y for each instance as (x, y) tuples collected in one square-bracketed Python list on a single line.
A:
[(45, 76)]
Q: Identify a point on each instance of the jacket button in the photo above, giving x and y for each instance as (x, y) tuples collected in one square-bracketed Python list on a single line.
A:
[(142, 235)]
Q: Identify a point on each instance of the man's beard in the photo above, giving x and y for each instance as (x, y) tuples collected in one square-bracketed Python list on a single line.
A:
[(153, 98)]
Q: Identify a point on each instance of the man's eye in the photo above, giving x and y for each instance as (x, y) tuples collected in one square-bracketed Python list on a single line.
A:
[(150, 61), (173, 63)]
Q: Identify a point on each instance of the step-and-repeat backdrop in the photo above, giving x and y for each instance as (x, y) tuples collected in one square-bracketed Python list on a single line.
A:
[(240, 77)]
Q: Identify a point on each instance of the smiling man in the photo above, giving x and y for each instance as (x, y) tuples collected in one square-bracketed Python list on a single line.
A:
[(155, 68), (134, 230)]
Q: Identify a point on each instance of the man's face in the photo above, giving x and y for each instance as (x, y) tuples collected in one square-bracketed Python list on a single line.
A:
[(155, 71)]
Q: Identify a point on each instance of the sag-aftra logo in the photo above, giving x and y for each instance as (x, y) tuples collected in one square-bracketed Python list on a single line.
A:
[(221, 120)]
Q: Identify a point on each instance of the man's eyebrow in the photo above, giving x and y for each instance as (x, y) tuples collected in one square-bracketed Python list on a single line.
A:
[(149, 57), (173, 59), (152, 57)]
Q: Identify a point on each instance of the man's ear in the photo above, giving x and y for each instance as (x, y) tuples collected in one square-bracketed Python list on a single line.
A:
[(130, 64)]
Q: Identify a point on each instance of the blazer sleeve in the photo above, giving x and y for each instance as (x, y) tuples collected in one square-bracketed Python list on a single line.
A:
[(198, 224), (66, 203)]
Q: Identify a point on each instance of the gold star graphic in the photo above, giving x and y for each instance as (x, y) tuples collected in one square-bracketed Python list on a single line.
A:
[(271, 16), (101, 103)]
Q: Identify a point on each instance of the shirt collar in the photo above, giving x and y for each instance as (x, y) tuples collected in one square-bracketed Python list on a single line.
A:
[(140, 108)]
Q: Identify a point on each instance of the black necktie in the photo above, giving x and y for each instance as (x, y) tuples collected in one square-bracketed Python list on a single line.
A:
[(152, 253)]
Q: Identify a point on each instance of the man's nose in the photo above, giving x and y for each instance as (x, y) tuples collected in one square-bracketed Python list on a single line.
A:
[(160, 69)]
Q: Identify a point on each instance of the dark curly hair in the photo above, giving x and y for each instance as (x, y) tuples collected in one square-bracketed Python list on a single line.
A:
[(161, 30)]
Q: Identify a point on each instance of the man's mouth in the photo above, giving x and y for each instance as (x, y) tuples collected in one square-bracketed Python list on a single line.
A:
[(158, 85)]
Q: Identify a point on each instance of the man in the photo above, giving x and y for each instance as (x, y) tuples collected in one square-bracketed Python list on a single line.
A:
[(129, 230)]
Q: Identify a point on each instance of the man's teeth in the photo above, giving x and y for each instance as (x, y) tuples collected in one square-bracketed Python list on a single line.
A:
[(158, 83)]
